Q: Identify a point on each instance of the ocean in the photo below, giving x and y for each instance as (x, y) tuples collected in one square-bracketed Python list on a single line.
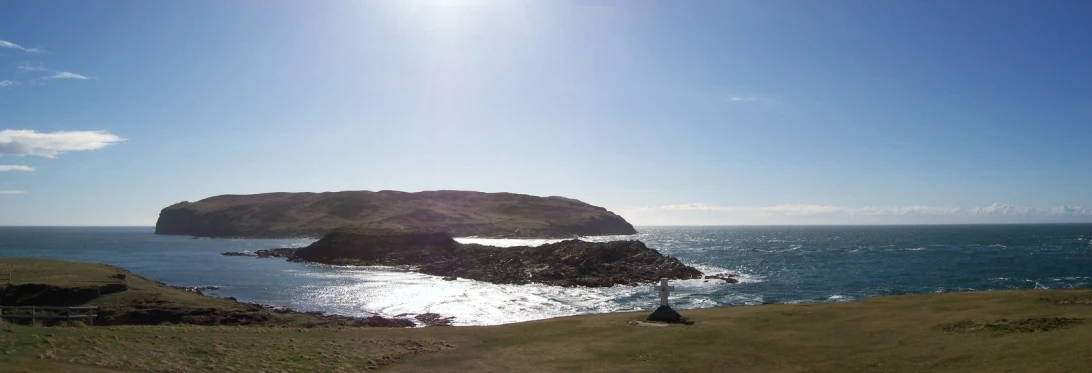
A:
[(796, 264)]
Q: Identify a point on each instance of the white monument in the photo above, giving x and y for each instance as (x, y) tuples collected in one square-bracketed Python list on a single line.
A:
[(664, 291), (664, 312)]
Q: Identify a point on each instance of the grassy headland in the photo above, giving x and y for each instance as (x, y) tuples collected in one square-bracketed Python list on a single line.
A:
[(125, 298), (1020, 331)]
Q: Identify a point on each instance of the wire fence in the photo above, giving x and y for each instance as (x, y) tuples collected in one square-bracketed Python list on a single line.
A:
[(35, 313)]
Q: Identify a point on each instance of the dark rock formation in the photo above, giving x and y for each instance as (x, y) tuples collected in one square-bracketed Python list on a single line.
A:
[(286, 252), (457, 212), (355, 246), (726, 277), (565, 263), (432, 319), (383, 322)]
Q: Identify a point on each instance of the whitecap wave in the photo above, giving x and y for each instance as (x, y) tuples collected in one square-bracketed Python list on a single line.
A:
[(740, 274)]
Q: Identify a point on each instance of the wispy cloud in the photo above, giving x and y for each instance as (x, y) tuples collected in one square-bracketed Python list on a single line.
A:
[(26, 67), (10, 45), (743, 98), (65, 75), (32, 67), (712, 214), (7, 83), (51, 144), (15, 167), (9, 192)]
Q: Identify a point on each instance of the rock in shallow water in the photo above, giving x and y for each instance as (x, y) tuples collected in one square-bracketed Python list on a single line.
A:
[(726, 277), (432, 319)]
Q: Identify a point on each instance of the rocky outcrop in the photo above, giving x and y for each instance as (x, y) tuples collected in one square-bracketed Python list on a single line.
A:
[(285, 252), (354, 246), (197, 289), (726, 277), (432, 319), (460, 213), (565, 263)]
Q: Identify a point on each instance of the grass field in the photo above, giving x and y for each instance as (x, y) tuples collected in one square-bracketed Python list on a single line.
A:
[(1020, 331)]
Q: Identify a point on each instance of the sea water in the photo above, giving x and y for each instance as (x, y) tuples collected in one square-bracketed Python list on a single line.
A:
[(774, 265)]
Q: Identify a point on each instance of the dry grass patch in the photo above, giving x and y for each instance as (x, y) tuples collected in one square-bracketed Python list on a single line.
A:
[(1073, 299), (185, 349), (1003, 326)]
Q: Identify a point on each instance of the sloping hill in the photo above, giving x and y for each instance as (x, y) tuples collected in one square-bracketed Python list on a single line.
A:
[(460, 213)]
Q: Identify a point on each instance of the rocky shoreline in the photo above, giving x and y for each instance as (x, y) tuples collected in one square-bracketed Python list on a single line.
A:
[(286, 252)]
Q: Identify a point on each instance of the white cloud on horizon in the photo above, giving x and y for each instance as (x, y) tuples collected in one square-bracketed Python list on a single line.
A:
[(711, 214), (10, 192), (10, 45), (15, 167), (7, 83), (29, 142)]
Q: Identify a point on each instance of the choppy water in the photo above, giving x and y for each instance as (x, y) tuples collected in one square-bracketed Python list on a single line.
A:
[(777, 265)]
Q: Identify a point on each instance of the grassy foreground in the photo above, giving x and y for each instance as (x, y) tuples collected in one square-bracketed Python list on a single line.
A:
[(1019, 331)]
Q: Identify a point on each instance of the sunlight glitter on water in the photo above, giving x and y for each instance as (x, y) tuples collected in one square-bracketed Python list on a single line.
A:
[(390, 291)]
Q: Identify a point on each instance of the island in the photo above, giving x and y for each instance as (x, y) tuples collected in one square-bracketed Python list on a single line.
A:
[(459, 213), (565, 263)]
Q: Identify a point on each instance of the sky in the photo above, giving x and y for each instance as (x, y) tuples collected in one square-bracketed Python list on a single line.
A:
[(668, 113)]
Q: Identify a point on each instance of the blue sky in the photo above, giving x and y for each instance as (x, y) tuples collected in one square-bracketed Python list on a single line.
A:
[(748, 112)]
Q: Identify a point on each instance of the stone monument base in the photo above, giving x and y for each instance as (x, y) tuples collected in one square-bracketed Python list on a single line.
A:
[(665, 314)]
